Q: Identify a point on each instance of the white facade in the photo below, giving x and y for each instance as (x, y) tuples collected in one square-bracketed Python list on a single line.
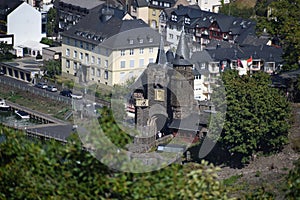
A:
[(211, 5), (25, 23), (173, 35)]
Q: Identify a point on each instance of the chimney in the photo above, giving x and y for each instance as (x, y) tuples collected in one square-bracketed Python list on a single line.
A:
[(106, 14)]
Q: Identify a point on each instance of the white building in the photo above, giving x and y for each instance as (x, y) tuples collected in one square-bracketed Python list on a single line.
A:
[(25, 23), (209, 5)]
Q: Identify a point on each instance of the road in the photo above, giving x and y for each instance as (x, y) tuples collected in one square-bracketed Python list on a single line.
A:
[(42, 92)]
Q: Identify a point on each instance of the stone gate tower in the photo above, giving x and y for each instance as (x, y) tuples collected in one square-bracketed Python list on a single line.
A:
[(182, 82)]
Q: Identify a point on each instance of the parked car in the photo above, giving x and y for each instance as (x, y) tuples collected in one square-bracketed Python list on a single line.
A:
[(51, 88), (76, 96), (66, 93), (41, 85)]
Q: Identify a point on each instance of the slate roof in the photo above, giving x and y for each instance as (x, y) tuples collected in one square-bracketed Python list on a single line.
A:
[(140, 3), (201, 57), (256, 41), (7, 6), (213, 44), (113, 33), (264, 52), (190, 123)]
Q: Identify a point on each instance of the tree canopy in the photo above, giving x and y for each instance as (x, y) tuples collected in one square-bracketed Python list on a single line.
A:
[(31, 169), (257, 117)]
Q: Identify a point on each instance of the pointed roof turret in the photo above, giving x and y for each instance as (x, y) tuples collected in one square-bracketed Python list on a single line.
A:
[(182, 55), (161, 55), (182, 49)]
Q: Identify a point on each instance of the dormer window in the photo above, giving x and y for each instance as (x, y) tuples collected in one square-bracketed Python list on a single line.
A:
[(130, 41), (187, 20), (174, 18), (150, 39), (141, 40), (155, 3), (167, 5)]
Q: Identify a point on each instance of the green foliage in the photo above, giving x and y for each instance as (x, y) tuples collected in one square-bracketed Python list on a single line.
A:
[(285, 24), (257, 117), (293, 182), (234, 9), (112, 130), (48, 170), (5, 51), (47, 41), (51, 21), (231, 180), (282, 22), (52, 68)]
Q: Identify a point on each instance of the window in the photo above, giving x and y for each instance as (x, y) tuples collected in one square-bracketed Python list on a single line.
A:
[(99, 61), (75, 43), (122, 64), (131, 41), (131, 63), (87, 59), (68, 40), (75, 54), (167, 5), (187, 20), (159, 95), (98, 73), (87, 46), (81, 44), (130, 75), (122, 52), (150, 39), (177, 37), (171, 36), (155, 3), (141, 50), (68, 52), (151, 60), (141, 63), (131, 51), (174, 18), (75, 66), (81, 55), (153, 12), (151, 50), (67, 64), (106, 64), (122, 76), (93, 59), (106, 74), (141, 40)]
